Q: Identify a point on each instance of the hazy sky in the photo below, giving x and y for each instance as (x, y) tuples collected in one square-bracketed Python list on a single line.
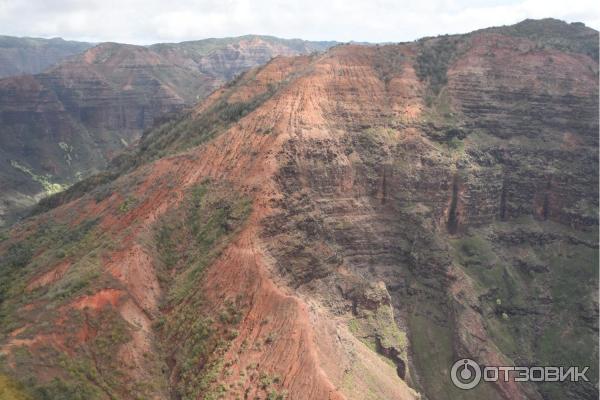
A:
[(149, 21)]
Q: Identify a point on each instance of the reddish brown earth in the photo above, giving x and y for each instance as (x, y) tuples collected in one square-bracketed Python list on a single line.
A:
[(377, 200)]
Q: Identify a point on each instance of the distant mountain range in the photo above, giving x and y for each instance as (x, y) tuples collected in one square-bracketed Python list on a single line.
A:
[(24, 55)]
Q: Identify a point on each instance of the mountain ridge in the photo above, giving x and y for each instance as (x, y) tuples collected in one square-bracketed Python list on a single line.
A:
[(337, 225)]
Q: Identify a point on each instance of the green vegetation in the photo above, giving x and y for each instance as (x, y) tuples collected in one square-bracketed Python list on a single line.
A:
[(188, 131), (60, 389), (48, 242), (388, 62), (45, 181), (98, 185), (188, 239), (574, 37), (442, 122), (91, 372), (456, 144), (378, 328), (433, 60), (432, 345), (166, 246), (276, 395), (204, 227), (68, 149), (11, 390), (91, 366), (538, 293), (126, 205)]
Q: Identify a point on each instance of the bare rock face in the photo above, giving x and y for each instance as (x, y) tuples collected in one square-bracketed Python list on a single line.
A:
[(21, 56), (64, 124), (335, 226)]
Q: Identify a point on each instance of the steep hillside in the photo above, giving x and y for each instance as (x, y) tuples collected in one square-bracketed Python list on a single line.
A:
[(22, 56), (66, 123), (335, 226)]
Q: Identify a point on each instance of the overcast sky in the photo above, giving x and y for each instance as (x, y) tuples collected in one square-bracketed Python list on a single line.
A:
[(151, 21)]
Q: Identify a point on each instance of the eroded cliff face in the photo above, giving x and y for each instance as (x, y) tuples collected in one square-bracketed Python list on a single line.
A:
[(337, 226)]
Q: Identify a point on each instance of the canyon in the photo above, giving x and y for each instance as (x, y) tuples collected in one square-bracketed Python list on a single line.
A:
[(336, 225), (66, 123)]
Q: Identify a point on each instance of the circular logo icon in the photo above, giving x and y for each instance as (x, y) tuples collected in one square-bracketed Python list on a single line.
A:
[(465, 374)]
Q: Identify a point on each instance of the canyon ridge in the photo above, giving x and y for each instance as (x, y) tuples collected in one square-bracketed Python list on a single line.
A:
[(336, 225)]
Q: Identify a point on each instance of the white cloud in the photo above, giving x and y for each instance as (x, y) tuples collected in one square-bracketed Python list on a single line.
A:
[(148, 21)]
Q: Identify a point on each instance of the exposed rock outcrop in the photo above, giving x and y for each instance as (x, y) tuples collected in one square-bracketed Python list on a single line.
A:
[(341, 226)]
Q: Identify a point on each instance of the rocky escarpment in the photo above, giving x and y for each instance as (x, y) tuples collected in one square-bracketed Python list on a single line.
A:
[(339, 226), (64, 124), (21, 56), (417, 189)]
